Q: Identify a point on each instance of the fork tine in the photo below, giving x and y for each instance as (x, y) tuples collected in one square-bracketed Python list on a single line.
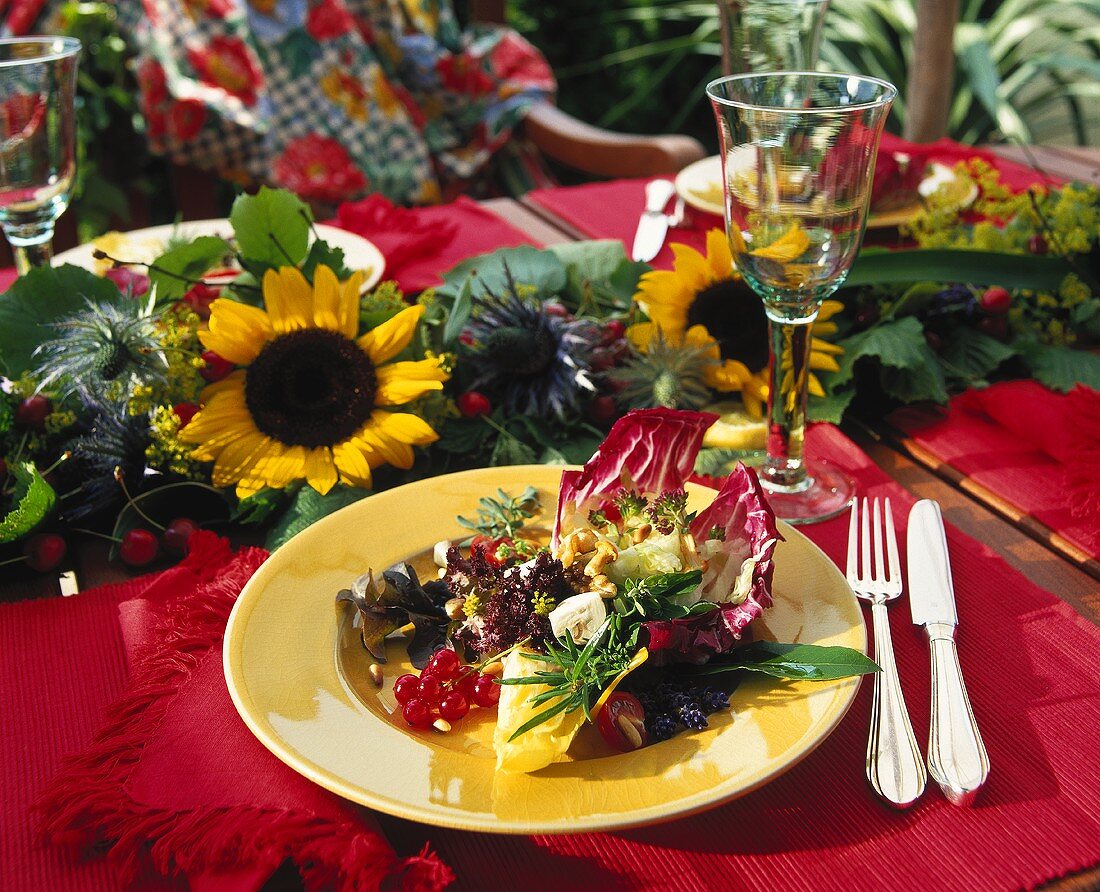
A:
[(853, 542), (880, 565), (892, 546), (868, 575)]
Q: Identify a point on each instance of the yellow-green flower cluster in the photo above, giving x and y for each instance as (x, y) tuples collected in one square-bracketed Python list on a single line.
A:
[(543, 604), (167, 452)]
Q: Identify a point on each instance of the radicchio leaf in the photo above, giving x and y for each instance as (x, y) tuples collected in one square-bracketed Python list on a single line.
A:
[(651, 450)]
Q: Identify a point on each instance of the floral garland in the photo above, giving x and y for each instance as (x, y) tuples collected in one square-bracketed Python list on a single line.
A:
[(248, 381)]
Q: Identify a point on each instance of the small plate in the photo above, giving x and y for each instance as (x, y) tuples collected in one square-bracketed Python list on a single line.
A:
[(299, 677), (700, 185), (359, 254)]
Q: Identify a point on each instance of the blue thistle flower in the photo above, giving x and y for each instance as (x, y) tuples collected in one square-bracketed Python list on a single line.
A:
[(663, 726), (537, 363)]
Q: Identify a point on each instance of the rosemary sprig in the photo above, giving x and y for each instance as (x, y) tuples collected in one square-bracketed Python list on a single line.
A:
[(503, 516)]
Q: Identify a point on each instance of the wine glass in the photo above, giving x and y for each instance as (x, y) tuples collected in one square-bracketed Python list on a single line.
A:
[(37, 142), (798, 154), (770, 35)]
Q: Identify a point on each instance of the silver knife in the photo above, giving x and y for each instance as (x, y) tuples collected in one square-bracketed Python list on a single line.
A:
[(956, 755), (653, 224)]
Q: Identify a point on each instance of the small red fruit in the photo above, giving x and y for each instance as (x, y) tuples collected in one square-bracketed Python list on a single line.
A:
[(44, 551), (185, 412), (129, 283), (556, 309), (199, 297), (1037, 244), (622, 722), (465, 682), (177, 535), (613, 330), (430, 689), (473, 404), (417, 713), (216, 368), (602, 409), (486, 691), (33, 412), (444, 664), (996, 300), (453, 706), (406, 688), (994, 326), (138, 547)]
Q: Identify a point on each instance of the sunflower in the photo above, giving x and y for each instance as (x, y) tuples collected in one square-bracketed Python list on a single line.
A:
[(310, 399), (703, 300)]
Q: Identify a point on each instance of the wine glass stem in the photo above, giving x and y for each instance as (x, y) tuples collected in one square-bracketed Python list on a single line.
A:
[(788, 379), (28, 256)]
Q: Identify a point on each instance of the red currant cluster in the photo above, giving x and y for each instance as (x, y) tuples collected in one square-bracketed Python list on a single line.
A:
[(445, 689)]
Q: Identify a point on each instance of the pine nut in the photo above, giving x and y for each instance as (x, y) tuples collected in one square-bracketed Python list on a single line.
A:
[(375, 674), (441, 725)]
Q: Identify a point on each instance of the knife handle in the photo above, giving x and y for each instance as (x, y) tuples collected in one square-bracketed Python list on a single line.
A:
[(895, 766), (956, 754)]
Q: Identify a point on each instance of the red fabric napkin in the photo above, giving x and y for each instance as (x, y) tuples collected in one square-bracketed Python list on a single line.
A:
[(1037, 450), (174, 774), (420, 244), (1030, 664), (1018, 177)]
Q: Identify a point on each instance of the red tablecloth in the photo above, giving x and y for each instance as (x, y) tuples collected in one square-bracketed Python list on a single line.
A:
[(1031, 668)]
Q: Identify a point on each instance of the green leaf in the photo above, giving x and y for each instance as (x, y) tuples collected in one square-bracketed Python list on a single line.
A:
[(541, 271), (460, 313), (599, 274), (189, 260), (570, 703), (798, 662), (32, 500), (910, 370), (259, 506), (833, 405), (271, 227), (45, 295), (971, 355), (1060, 368), (879, 267), (321, 253), (308, 507), (509, 450)]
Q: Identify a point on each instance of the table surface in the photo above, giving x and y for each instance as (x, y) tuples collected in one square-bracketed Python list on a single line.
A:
[(972, 511)]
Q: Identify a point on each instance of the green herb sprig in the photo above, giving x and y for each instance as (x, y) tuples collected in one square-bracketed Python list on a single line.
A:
[(503, 516), (650, 598)]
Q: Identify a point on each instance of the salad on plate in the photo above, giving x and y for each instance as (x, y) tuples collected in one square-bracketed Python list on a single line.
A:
[(634, 613)]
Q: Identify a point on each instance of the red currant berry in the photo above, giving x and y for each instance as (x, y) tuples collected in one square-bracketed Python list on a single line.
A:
[(454, 706), (557, 310), (33, 412), (406, 688), (216, 368), (996, 300), (430, 689), (486, 691), (44, 551), (138, 547), (465, 682), (444, 664), (1037, 244), (602, 409), (473, 404), (199, 297), (177, 535), (417, 713), (185, 412), (614, 330)]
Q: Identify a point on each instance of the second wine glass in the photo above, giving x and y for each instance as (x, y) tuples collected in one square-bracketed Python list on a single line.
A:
[(798, 155)]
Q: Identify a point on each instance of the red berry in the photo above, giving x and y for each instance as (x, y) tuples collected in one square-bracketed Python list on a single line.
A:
[(486, 691), (430, 689), (216, 368), (622, 722), (465, 682), (406, 688), (473, 404), (44, 551), (33, 412), (199, 297), (613, 330), (556, 309), (1037, 244), (177, 535), (602, 409), (453, 706), (138, 547), (994, 326), (130, 283), (417, 713), (996, 300), (444, 664), (185, 412)]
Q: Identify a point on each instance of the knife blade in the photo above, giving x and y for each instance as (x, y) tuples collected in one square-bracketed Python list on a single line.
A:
[(653, 224), (957, 759)]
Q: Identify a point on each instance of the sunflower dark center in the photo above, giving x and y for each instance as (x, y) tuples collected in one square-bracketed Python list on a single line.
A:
[(734, 316), (310, 388), (521, 351)]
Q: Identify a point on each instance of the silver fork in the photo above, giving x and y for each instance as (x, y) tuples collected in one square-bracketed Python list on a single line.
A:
[(895, 766)]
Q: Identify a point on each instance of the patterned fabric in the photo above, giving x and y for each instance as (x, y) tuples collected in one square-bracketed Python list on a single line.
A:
[(331, 98)]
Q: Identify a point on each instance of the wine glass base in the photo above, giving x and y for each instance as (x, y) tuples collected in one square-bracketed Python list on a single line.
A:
[(828, 494)]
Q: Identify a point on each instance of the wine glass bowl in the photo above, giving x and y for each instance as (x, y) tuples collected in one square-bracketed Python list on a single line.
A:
[(798, 153), (37, 141)]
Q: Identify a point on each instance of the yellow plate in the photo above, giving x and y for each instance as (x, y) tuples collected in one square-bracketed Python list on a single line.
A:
[(700, 185), (298, 676)]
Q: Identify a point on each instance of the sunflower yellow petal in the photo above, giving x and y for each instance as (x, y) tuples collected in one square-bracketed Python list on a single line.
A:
[(320, 470), (402, 382), (351, 463), (727, 376), (820, 346), (282, 465), (789, 246), (825, 328), (829, 308), (407, 428), (288, 298), (641, 335), (385, 341), (328, 312), (236, 331), (718, 255), (814, 386), (237, 459), (379, 446), (823, 362)]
